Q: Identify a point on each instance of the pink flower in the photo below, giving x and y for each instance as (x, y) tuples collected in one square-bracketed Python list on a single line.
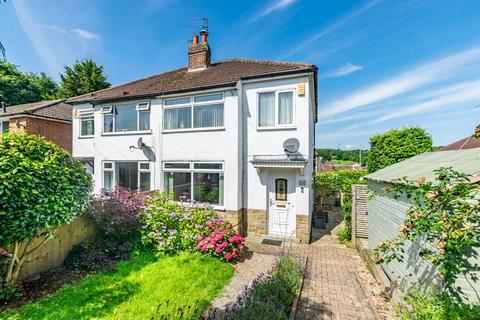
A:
[(224, 244), (218, 250), (228, 256)]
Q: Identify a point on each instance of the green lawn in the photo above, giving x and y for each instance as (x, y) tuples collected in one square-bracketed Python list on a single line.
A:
[(145, 287)]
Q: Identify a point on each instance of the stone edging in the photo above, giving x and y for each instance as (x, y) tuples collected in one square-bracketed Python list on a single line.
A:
[(293, 313)]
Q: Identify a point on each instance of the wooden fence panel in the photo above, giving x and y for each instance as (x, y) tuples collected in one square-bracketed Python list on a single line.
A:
[(359, 211)]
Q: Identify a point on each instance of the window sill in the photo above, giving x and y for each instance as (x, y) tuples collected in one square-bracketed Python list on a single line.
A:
[(86, 137), (276, 128), (126, 133), (194, 130)]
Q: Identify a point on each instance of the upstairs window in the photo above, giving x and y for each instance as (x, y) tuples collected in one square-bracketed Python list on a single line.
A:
[(196, 112), (275, 109), (126, 118), (4, 125), (87, 123)]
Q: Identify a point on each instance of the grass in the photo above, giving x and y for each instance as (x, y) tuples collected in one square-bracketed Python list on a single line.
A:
[(144, 287)]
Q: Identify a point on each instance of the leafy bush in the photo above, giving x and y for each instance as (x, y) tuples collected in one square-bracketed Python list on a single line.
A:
[(273, 299), (397, 145), (10, 292), (341, 180), (420, 305), (221, 240), (116, 215), (42, 187), (170, 226)]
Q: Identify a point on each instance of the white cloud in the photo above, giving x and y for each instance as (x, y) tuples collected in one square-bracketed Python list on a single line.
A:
[(344, 71), (84, 34), (273, 6), (460, 93), (330, 29), (416, 78)]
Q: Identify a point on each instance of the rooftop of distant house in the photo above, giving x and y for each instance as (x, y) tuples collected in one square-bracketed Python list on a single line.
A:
[(52, 109)]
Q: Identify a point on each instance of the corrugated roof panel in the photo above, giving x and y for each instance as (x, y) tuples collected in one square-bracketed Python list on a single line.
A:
[(466, 161)]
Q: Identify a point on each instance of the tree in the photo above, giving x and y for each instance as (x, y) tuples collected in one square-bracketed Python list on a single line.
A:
[(42, 187), (84, 77), (18, 87), (397, 145)]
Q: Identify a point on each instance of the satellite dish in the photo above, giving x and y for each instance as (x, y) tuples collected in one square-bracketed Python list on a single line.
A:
[(140, 143), (291, 145)]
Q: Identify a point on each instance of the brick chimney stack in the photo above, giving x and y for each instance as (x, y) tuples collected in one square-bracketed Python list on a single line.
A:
[(199, 53), (477, 132)]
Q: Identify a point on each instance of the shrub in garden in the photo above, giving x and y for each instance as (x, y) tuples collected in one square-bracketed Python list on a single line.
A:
[(42, 187), (221, 240), (273, 298), (116, 215), (170, 226)]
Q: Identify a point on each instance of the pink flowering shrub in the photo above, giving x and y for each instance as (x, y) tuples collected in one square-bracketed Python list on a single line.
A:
[(221, 240)]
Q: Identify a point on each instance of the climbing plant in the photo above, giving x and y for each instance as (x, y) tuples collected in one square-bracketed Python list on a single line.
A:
[(445, 213), (342, 181)]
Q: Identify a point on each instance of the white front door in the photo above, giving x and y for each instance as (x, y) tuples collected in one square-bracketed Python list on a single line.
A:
[(281, 201)]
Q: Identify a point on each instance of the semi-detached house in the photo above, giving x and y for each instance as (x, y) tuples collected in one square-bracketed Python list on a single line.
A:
[(238, 134)]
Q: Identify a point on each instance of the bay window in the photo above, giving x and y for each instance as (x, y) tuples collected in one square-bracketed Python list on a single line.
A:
[(275, 109), (195, 181), (127, 174), (196, 112), (126, 118)]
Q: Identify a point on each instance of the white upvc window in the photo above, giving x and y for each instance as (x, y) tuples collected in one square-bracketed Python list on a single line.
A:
[(126, 117), (276, 109), (134, 175), (87, 123), (4, 125), (194, 113), (195, 181)]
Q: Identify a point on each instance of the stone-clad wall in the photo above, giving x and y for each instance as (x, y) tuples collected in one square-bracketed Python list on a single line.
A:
[(254, 222)]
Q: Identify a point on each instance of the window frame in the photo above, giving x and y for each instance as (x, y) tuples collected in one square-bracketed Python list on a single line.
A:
[(276, 109), (113, 169), (192, 171), (143, 106), (192, 104), (2, 121), (84, 119)]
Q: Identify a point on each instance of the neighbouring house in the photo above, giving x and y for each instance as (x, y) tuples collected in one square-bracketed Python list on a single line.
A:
[(237, 133), (465, 143), (386, 214), (51, 120)]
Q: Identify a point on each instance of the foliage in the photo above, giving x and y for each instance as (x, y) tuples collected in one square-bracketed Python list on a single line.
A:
[(170, 226), (342, 181), (10, 292), (18, 87), (446, 215), (84, 77), (345, 155), (42, 187), (115, 215), (144, 287), (273, 299), (397, 145), (221, 240), (420, 305)]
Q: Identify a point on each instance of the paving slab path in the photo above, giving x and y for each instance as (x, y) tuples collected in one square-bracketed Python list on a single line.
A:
[(332, 289)]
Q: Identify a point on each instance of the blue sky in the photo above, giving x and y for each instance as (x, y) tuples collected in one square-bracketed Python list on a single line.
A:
[(382, 64)]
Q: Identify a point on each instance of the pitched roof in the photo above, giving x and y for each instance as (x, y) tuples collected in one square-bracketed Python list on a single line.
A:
[(218, 74), (466, 161), (52, 109), (465, 143)]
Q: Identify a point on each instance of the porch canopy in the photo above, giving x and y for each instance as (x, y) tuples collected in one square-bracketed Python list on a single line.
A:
[(279, 161)]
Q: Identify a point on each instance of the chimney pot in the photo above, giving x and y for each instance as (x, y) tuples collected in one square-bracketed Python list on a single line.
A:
[(199, 53), (477, 132), (204, 35), (195, 39)]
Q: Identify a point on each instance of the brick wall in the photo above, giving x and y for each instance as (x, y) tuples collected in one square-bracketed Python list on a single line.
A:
[(303, 228), (57, 132)]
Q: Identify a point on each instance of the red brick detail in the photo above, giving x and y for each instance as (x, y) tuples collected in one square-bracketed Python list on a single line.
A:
[(198, 56), (57, 132)]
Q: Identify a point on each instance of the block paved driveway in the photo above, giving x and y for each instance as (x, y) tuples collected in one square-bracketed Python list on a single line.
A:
[(331, 289)]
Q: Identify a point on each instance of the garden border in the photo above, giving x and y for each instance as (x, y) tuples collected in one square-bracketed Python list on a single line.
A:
[(293, 313)]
